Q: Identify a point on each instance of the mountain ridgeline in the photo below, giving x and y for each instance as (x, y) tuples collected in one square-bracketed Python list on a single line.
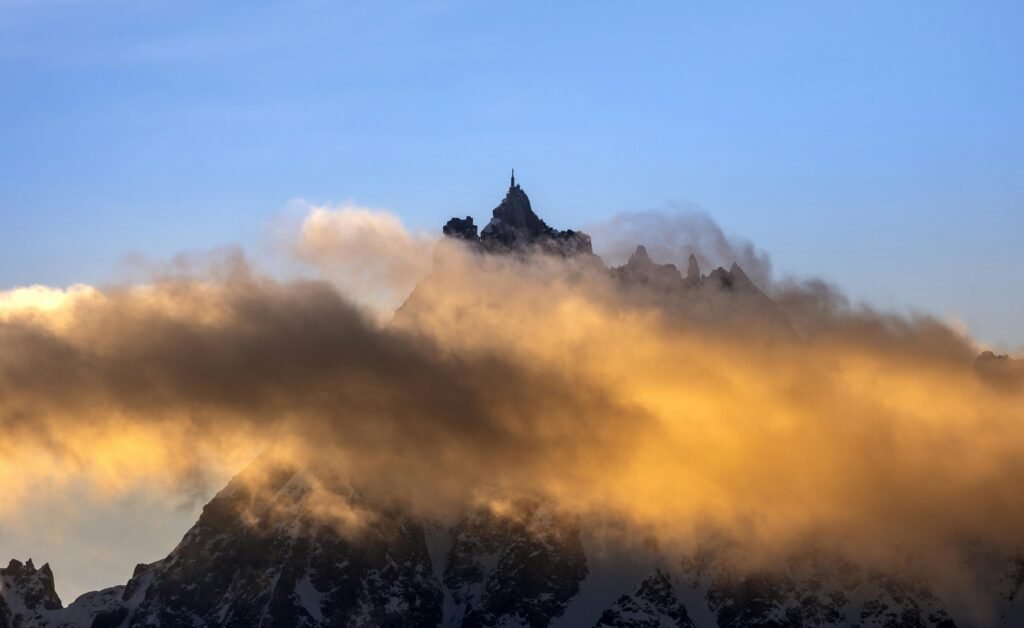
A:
[(724, 296), (261, 555)]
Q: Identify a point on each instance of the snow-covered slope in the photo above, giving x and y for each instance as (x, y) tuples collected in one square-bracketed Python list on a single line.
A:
[(264, 554)]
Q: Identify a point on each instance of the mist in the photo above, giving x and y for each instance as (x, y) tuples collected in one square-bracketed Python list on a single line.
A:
[(863, 434)]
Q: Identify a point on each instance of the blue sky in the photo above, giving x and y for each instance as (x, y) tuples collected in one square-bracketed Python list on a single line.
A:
[(879, 145)]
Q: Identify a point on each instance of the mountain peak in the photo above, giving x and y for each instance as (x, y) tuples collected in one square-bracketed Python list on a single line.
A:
[(515, 226), (692, 271), (640, 269), (515, 211), (27, 592), (639, 257)]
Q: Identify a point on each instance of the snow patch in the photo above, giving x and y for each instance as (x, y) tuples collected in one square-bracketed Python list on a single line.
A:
[(309, 598)]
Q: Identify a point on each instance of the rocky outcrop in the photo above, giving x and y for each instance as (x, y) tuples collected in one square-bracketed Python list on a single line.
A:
[(284, 547), (263, 553), (725, 297), (818, 592), (514, 216), (26, 593), (640, 270), (652, 604), (461, 229), (514, 227), (34, 587), (692, 272), (522, 566)]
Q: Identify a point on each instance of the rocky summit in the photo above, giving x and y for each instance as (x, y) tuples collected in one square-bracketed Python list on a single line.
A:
[(722, 297), (515, 227)]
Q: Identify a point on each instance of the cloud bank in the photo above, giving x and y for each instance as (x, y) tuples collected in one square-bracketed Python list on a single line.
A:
[(866, 434)]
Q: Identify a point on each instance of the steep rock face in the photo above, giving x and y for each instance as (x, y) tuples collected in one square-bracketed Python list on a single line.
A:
[(297, 550), (521, 566), (725, 297), (515, 214), (271, 557), (26, 593), (822, 593), (640, 270), (515, 227), (280, 547), (652, 604), (461, 229), (692, 272), (802, 594), (730, 296), (34, 587), (897, 603)]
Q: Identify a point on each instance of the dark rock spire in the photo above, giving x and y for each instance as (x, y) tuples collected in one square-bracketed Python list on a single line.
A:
[(461, 228), (516, 213), (692, 271), (640, 257), (514, 226), (641, 270)]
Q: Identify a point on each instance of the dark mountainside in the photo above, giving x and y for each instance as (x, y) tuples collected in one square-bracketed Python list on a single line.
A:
[(263, 557)]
